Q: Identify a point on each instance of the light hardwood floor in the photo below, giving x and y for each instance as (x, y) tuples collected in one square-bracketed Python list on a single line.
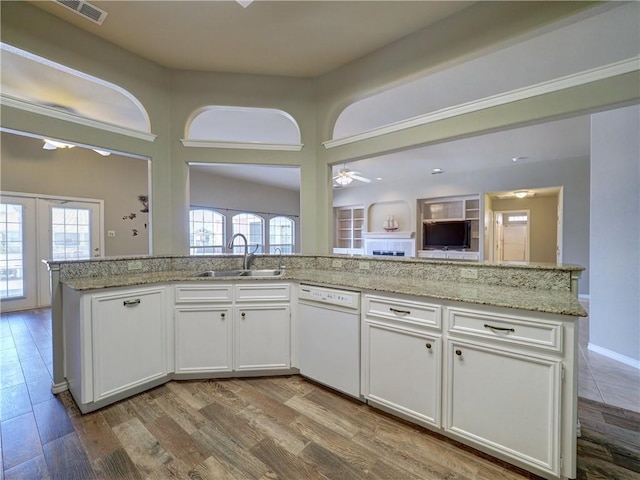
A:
[(262, 428)]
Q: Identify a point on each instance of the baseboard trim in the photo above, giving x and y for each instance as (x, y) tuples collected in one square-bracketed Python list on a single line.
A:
[(59, 387), (632, 362)]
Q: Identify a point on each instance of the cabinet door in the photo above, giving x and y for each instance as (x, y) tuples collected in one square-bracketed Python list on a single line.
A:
[(262, 337), (506, 401), (402, 371), (203, 339), (129, 340)]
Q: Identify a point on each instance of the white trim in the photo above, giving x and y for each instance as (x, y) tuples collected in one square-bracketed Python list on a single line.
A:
[(59, 387), (241, 145), (382, 235), (584, 296), (632, 362), (561, 83), (9, 101)]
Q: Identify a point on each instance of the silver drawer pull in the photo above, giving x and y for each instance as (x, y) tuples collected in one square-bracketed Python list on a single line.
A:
[(131, 303), (400, 312), (500, 329)]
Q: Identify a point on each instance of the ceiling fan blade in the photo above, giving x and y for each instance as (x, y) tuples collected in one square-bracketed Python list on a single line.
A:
[(362, 179)]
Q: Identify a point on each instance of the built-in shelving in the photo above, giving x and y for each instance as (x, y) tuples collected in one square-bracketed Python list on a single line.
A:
[(349, 229)]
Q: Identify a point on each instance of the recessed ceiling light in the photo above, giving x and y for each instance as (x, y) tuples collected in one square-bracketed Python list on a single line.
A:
[(437, 171), (378, 178), (517, 159), (521, 193)]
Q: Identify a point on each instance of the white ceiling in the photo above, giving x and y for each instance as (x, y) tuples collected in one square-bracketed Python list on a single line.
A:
[(293, 38)]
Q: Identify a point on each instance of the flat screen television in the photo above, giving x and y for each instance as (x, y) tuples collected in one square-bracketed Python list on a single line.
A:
[(450, 235)]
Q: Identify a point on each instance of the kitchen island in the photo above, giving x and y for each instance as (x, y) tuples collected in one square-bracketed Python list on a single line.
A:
[(488, 341)]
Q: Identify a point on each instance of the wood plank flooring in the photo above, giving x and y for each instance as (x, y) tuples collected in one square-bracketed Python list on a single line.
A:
[(259, 428)]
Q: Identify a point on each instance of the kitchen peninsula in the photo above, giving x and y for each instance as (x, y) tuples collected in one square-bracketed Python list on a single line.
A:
[(488, 341)]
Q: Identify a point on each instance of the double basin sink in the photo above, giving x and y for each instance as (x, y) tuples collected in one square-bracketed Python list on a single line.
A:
[(240, 273)]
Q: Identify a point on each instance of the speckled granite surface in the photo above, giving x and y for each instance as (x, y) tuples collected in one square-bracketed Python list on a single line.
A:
[(548, 301)]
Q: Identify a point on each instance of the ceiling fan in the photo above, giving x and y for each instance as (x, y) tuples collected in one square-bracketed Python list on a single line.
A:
[(346, 176)]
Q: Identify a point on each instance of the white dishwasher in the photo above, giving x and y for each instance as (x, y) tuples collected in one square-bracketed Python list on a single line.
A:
[(329, 337)]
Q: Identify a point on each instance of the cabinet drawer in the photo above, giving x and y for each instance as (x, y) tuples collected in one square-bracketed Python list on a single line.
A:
[(200, 293), (260, 292), (407, 311), (508, 329)]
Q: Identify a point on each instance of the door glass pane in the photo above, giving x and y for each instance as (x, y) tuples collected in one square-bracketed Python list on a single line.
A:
[(70, 233), (11, 251)]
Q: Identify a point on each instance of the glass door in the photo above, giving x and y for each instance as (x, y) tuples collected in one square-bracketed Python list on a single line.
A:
[(18, 271), (68, 230)]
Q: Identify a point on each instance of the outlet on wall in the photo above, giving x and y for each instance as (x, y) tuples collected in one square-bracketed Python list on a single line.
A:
[(469, 273), (134, 265)]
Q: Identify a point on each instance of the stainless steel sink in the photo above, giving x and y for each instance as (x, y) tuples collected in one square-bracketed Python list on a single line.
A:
[(239, 273), (262, 273)]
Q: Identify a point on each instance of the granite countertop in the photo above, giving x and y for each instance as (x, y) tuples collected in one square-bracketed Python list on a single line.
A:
[(548, 301)]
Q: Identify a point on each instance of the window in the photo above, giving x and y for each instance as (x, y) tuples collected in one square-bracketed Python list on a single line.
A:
[(70, 233), (206, 232), (252, 227), (281, 234), (11, 251)]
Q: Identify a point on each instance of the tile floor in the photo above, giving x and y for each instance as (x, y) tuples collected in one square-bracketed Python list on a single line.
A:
[(605, 380)]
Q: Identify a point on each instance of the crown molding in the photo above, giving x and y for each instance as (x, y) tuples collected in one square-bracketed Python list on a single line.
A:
[(241, 145), (573, 80), (9, 101)]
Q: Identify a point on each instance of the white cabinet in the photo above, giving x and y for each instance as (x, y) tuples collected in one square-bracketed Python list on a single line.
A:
[(129, 340), (262, 318), (117, 343), (504, 386), (203, 326), (401, 357)]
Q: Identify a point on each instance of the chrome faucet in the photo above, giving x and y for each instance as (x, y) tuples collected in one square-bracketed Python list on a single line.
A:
[(247, 255), (278, 251)]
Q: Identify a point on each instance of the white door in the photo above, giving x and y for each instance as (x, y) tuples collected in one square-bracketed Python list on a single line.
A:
[(37, 227), (512, 236), (68, 229), (18, 257)]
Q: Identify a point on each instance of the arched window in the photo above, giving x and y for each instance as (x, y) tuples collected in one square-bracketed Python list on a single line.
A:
[(252, 227), (206, 232), (281, 234)]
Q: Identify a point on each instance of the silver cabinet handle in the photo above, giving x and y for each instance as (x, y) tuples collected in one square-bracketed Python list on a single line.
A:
[(131, 303), (400, 312), (499, 329)]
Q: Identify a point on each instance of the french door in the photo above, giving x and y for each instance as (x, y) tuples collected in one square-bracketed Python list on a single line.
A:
[(18, 270), (33, 228)]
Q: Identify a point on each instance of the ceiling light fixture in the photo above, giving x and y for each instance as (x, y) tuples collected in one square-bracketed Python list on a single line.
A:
[(517, 159), (343, 180), (521, 193), (104, 153), (244, 3), (437, 171), (52, 145)]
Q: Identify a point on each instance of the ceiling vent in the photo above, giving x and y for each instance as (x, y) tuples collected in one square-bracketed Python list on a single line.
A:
[(85, 9)]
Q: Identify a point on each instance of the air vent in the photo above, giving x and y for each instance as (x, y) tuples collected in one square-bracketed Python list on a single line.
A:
[(85, 9)]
